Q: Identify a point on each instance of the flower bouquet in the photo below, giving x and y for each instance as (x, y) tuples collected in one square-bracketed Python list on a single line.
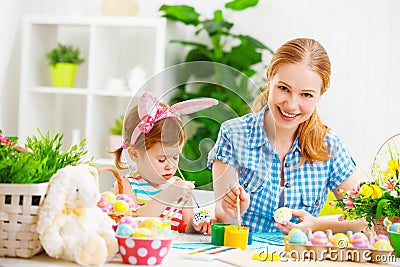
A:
[(379, 198)]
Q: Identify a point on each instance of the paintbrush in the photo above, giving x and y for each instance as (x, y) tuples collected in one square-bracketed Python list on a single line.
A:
[(183, 178), (238, 211)]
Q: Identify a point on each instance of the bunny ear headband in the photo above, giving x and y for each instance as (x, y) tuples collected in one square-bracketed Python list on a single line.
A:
[(150, 112)]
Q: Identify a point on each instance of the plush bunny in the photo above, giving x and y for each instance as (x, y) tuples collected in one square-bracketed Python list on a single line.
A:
[(70, 225)]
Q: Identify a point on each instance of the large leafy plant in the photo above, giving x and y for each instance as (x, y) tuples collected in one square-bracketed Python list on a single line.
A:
[(39, 160), (238, 52)]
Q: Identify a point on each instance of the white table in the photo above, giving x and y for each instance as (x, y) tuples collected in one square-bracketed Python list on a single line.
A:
[(174, 258)]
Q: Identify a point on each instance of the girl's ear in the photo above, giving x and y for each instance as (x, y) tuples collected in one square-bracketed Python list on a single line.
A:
[(134, 154)]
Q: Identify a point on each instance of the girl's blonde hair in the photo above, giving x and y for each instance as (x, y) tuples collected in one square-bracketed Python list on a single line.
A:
[(168, 131), (312, 132)]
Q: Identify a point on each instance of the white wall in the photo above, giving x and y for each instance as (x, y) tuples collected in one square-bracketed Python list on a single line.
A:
[(361, 36)]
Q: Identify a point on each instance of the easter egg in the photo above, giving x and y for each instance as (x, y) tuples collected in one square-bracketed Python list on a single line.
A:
[(201, 216), (395, 227), (127, 199), (340, 240), (359, 240), (383, 245), (293, 231), (153, 224), (104, 204), (143, 233), (297, 237), (319, 238), (124, 230), (380, 236), (129, 220), (282, 214), (121, 206), (109, 196)]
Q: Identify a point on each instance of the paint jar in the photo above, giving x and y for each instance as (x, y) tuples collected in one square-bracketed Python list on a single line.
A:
[(250, 238), (217, 233), (236, 236)]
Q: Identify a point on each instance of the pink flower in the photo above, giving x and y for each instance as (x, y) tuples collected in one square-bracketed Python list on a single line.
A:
[(20, 149), (332, 203), (349, 203), (389, 185), (5, 140), (355, 192)]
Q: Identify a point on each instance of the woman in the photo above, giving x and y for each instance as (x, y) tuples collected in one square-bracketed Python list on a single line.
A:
[(283, 155)]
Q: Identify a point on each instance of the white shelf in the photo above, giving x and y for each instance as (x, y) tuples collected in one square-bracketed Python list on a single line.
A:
[(111, 46)]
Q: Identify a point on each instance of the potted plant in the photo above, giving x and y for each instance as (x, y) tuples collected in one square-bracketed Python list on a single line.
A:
[(24, 175), (239, 52), (116, 134), (63, 61), (379, 197)]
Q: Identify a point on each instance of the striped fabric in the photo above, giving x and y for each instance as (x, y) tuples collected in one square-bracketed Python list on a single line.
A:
[(145, 192), (243, 143)]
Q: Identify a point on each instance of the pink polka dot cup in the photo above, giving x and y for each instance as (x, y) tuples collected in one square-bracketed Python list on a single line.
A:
[(144, 251)]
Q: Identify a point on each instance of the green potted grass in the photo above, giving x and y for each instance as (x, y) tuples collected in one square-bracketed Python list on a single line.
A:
[(116, 134), (63, 61)]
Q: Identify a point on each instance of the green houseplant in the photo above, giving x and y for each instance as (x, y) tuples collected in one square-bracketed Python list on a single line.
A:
[(239, 52), (63, 61), (115, 140)]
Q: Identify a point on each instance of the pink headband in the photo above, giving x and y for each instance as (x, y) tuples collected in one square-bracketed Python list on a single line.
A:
[(150, 112)]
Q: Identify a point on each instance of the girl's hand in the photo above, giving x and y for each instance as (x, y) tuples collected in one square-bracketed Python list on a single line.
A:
[(203, 227), (179, 190), (229, 201), (306, 221)]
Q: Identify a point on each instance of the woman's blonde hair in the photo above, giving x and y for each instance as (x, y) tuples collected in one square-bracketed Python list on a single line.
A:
[(168, 131), (312, 132)]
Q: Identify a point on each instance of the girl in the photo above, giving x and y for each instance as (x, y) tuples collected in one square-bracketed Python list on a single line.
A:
[(153, 139), (283, 155)]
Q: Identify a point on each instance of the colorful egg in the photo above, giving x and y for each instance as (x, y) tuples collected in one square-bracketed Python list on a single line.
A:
[(153, 224), (395, 227), (359, 240), (293, 231), (127, 199), (340, 240), (298, 237), (104, 204), (380, 236), (283, 214), (124, 230), (129, 220), (143, 233), (319, 238), (200, 216), (383, 245), (109, 196), (121, 206)]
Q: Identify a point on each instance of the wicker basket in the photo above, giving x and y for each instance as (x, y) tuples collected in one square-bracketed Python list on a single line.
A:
[(380, 228), (117, 216), (19, 207)]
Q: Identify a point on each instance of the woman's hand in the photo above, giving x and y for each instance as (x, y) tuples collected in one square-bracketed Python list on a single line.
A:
[(305, 218), (229, 201)]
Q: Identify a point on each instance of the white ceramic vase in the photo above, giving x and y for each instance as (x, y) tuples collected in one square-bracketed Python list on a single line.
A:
[(119, 7)]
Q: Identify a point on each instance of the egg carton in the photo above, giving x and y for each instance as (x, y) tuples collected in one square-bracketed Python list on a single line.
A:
[(330, 252)]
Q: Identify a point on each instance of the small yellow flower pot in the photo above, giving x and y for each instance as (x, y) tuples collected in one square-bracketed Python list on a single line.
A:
[(63, 74)]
